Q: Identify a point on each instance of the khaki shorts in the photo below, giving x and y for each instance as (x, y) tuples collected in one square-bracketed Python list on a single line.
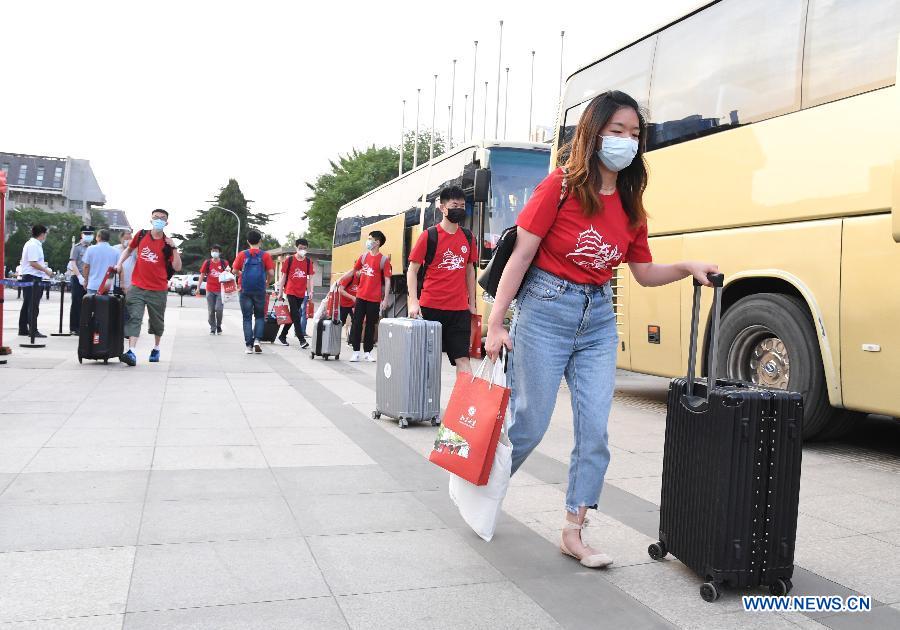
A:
[(135, 301)]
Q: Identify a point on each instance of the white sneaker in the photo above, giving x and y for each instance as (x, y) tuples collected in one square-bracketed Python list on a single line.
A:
[(355, 357), (248, 350), (370, 358)]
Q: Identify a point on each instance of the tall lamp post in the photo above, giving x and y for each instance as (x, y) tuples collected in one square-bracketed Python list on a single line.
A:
[(531, 101), (237, 240), (497, 109), (474, 75)]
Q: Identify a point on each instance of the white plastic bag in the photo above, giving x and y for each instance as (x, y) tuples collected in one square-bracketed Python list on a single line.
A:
[(480, 505)]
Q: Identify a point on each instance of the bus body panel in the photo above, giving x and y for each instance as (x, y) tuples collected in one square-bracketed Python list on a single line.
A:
[(827, 161), (870, 316)]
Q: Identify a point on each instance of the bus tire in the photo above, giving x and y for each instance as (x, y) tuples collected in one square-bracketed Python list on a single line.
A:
[(778, 329)]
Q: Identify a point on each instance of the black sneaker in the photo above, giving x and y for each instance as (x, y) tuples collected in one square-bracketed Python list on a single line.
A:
[(304, 344), (212, 332), (24, 333), (40, 335), (283, 341), (219, 330), (257, 348)]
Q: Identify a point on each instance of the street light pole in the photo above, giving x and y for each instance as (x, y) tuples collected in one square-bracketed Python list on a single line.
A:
[(531, 100), (484, 122), (452, 102), (497, 108), (506, 103), (237, 240), (465, 115), (562, 44), (402, 131), (474, 75), (416, 139), (433, 120)]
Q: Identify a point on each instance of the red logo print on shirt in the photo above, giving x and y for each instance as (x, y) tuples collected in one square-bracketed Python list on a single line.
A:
[(591, 252)]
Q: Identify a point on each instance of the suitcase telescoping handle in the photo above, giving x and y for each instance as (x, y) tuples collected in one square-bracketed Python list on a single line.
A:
[(717, 280), (104, 286)]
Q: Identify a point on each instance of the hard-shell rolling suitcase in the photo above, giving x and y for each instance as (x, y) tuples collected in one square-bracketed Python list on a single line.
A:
[(408, 385), (101, 330), (325, 340), (731, 475)]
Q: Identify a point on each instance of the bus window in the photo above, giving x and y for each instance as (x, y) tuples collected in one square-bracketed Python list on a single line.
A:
[(734, 63), (514, 174), (851, 47)]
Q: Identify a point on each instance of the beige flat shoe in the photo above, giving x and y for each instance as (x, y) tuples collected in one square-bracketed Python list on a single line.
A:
[(592, 561)]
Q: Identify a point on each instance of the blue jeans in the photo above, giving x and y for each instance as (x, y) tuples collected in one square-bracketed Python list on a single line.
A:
[(564, 329), (253, 306)]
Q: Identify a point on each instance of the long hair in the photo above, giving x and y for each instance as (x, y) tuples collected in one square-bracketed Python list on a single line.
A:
[(583, 164)]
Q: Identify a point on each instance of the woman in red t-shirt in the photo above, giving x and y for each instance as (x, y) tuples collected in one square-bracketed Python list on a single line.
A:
[(581, 222)]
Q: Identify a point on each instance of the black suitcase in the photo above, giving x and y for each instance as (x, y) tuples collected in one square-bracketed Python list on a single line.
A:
[(270, 329), (101, 331), (731, 475)]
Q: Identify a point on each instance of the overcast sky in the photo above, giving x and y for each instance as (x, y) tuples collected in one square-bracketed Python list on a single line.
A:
[(170, 99)]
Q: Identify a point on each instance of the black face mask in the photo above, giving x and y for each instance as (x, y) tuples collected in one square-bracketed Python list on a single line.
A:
[(455, 215)]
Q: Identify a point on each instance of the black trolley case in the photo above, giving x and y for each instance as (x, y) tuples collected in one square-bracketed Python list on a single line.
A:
[(731, 475), (101, 331)]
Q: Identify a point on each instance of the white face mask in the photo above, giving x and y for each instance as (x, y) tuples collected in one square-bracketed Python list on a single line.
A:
[(301, 253), (617, 152), (87, 238), (214, 254)]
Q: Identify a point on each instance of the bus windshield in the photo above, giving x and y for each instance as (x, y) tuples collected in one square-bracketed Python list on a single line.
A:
[(514, 175)]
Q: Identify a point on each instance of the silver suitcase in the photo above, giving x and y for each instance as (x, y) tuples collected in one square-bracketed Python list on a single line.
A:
[(325, 340), (408, 386)]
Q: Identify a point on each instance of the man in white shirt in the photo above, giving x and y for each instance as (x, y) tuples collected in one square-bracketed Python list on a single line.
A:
[(97, 261), (128, 265), (34, 269)]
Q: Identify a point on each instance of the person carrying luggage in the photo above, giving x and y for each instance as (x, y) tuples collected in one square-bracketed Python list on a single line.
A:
[(96, 262), (211, 269), (347, 289), (581, 222), (445, 255), (371, 297), (255, 270), (128, 265), (295, 274), (77, 277), (157, 259)]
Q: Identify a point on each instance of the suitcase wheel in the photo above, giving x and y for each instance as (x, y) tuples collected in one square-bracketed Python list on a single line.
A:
[(781, 587), (435, 421), (79, 359), (657, 550), (403, 422), (105, 361), (312, 355), (709, 591), (325, 356), (376, 415)]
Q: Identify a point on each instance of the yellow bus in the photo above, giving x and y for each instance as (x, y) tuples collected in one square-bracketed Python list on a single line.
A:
[(497, 177), (774, 151)]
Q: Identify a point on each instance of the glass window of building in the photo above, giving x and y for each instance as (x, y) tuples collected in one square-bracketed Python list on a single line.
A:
[(39, 179), (23, 173), (57, 177)]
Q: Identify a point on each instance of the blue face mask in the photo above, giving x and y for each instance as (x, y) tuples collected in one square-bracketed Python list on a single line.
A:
[(370, 244), (617, 153), (158, 224), (88, 238)]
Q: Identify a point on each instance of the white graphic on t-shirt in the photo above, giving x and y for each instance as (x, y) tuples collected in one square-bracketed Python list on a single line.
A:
[(451, 261), (464, 249), (366, 270), (299, 274), (149, 255), (214, 272), (591, 252)]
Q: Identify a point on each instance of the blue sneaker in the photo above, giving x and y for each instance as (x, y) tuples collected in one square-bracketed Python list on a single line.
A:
[(128, 358), (154, 356)]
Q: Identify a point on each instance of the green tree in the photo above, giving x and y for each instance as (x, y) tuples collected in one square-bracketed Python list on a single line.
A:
[(214, 226), (100, 222), (354, 175), (61, 228)]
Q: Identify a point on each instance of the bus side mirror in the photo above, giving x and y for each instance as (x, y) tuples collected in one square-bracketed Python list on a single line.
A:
[(482, 186)]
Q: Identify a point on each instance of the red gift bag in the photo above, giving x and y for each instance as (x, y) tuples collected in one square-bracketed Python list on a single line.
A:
[(310, 311), (475, 341), (470, 428), (282, 314)]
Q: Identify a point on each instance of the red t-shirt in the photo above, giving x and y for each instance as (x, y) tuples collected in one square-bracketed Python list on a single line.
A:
[(351, 285), (371, 279), (296, 283), (445, 278), (212, 269), (576, 248), (268, 263), (150, 263)]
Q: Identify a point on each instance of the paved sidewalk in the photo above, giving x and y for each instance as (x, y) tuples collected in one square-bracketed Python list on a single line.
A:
[(227, 491)]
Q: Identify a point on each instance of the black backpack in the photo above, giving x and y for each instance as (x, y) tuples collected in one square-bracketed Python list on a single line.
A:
[(431, 250), (490, 277), (167, 253)]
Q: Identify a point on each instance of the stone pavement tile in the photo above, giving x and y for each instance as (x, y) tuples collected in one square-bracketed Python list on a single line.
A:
[(27, 407), (302, 419), (623, 465), (68, 526), (860, 513), (647, 488), (196, 521), (364, 563), (879, 617), (5, 480), (810, 528), (316, 455), (521, 501), (892, 537), (861, 563), (489, 606), (197, 485), (124, 420), (77, 487), (746, 621), (79, 436), (68, 583), (220, 436), (25, 437), (626, 546), (31, 421), (94, 622), (286, 436), (318, 480), (360, 513), (207, 574), (13, 460), (232, 418), (318, 613), (93, 458), (201, 457), (673, 591)]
